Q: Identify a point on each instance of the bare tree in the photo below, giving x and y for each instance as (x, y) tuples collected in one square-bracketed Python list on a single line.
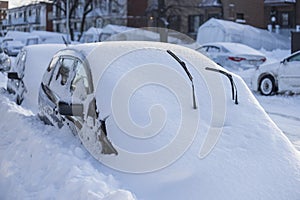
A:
[(61, 5)]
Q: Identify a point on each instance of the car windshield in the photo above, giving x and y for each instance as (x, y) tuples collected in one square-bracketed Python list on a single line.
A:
[(295, 57)]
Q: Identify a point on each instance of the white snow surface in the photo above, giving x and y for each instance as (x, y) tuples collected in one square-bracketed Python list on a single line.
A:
[(42, 162), (253, 159), (217, 30)]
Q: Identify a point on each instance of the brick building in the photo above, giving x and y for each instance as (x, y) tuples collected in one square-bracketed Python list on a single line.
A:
[(187, 16), (3, 12)]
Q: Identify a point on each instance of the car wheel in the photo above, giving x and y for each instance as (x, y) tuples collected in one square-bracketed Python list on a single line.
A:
[(267, 85)]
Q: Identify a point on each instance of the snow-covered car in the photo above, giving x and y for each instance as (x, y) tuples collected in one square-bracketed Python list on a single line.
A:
[(233, 56), (25, 75), (12, 47), (70, 95), (5, 61), (283, 76)]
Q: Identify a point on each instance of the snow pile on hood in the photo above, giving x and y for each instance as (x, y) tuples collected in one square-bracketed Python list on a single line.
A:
[(42, 162)]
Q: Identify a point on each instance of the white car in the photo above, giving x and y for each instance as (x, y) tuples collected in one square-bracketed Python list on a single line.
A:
[(283, 76), (25, 75), (233, 56)]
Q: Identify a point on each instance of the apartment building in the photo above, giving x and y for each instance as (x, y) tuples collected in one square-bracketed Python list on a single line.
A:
[(30, 17)]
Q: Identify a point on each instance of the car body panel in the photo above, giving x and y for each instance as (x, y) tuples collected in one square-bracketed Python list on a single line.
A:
[(5, 61)]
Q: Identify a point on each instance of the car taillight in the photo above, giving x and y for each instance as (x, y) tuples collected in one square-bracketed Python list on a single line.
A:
[(263, 59), (236, 59)]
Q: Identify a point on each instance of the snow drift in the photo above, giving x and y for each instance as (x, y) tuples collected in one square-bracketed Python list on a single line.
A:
[(216, 30)]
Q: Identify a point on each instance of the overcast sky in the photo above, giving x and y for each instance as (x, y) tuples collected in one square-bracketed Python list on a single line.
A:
[(16, 3)]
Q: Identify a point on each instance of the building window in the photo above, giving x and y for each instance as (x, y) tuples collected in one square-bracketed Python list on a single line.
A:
[(214, 15), (285, 19), (240, 16), (194, 21), (174, 22)]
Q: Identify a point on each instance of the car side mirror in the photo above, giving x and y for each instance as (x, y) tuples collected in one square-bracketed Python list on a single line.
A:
[(70, 109), (284, 61), (13, 75)]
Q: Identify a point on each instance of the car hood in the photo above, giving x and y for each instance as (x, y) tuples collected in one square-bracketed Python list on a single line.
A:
[(271, 67)]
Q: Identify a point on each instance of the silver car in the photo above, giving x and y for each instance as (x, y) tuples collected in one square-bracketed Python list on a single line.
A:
[(233, 56), (283, 76), (25, 75)]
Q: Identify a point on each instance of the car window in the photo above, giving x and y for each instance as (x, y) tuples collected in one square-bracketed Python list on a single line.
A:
[(203, 49), (60, 81), (213, 49), (294, 58), (80, 85)]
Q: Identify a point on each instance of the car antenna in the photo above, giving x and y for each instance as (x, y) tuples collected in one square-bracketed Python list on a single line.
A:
[(182, 63), (233, 86)]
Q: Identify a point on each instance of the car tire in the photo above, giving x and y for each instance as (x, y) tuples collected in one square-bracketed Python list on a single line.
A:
[(267, 85)]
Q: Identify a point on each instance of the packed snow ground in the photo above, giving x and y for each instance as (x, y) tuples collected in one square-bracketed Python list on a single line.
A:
[(43, 162)]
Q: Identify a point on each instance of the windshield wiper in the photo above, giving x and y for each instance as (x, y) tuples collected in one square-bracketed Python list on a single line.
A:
[(233, 86), (183, 65)]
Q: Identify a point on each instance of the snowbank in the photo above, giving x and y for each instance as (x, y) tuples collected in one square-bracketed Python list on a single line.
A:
[(41, 162), (216, 30)]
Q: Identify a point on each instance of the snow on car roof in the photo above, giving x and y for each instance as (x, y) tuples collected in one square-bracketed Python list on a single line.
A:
[(38, 58), (236, 48)]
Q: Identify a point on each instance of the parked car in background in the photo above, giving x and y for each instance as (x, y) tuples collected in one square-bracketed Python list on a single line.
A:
[(11, 47), (5, 61), (233, 56), (278, 77), (25, 75)]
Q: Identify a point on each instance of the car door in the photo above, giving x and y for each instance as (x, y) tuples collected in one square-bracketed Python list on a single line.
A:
[(289, 74), (56, 87)]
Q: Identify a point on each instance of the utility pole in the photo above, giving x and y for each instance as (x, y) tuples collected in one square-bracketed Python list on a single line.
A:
[(162, 21)]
